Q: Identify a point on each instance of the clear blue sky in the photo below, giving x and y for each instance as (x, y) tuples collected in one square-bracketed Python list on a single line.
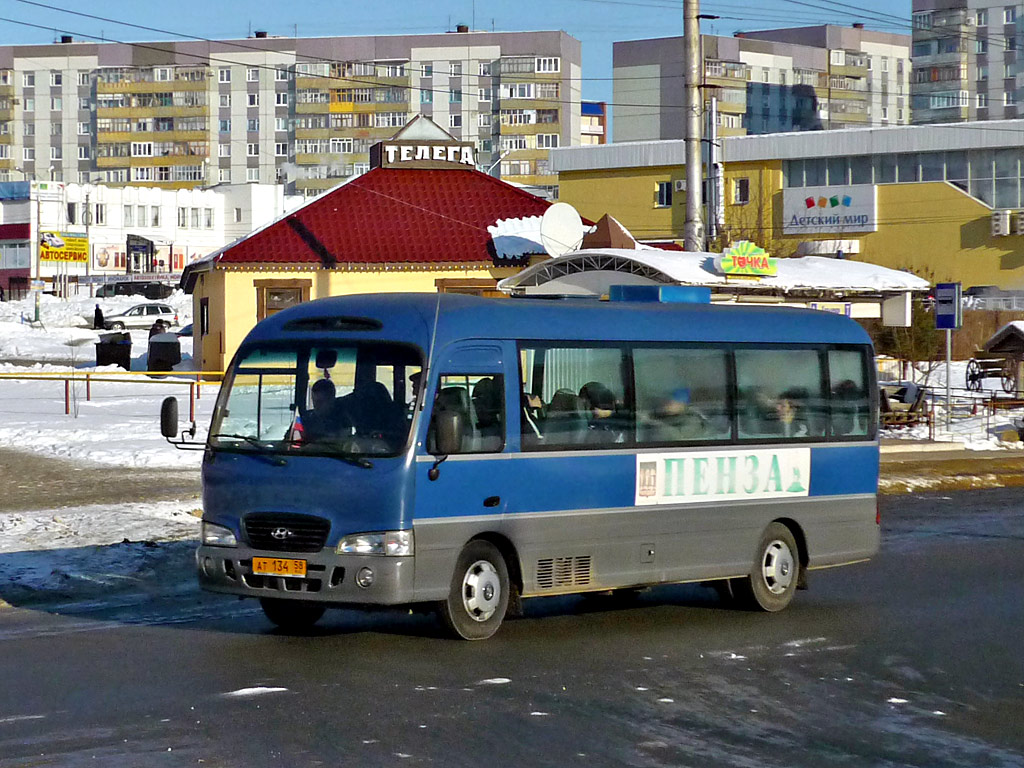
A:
[(597, 23)]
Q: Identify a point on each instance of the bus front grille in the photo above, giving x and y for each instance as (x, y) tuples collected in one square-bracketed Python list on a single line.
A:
[(279, 532), (561, 572)]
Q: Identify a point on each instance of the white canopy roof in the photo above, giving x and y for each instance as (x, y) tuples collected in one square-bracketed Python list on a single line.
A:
[(591, 272)]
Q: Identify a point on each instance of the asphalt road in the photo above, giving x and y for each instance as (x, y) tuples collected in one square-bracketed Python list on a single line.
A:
[(913, 659)]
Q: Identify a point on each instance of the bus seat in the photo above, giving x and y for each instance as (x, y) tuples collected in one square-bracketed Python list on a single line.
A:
[(565, 421)]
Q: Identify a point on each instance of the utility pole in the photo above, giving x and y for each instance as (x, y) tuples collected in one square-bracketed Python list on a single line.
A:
[(713, 190), (87, 220), (693, 232)]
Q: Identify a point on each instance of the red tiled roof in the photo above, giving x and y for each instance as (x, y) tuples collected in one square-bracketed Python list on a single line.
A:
[(392, 215)]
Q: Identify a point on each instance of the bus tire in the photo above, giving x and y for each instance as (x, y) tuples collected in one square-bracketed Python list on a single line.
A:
[(773, 579), (479, 594), (291, 615)]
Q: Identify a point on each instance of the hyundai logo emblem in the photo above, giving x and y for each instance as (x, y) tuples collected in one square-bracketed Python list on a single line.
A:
[(280, 533)]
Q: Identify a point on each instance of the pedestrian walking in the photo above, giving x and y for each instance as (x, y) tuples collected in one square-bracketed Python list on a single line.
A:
[(97, 319)]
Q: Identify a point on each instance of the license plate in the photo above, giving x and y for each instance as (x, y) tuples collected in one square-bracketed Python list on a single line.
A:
[(278, 566)]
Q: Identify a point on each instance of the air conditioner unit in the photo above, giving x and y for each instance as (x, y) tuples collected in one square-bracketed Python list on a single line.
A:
[(1000, 223), (1018, 222), (679, 185)]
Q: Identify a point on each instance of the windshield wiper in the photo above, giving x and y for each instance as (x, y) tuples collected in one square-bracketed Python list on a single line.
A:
[(263, 448), (321, 447)]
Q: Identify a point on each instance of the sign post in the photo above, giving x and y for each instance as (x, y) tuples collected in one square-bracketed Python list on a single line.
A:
[(949, 317)]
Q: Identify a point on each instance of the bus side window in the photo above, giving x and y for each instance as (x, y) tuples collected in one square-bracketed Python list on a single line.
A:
[(480, 399), (780, 393)]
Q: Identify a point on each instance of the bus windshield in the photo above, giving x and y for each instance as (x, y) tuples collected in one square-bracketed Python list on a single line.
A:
[(319, 398)]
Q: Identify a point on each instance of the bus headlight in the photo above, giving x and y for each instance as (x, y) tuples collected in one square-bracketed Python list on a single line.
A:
[(391, 543), (217, 536)]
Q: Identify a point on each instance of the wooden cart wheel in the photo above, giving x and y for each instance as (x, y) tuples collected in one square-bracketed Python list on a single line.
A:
[(1009, 375), (974, 375)]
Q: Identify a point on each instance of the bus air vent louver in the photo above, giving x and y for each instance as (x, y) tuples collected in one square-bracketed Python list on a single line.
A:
[(561, 572)]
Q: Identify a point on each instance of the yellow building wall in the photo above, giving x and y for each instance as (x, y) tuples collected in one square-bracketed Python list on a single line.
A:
[(630, 195), (233, 298), (933, 229)]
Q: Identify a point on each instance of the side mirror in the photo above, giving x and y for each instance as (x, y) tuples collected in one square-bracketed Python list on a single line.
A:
[(169, 418), (450, 426)]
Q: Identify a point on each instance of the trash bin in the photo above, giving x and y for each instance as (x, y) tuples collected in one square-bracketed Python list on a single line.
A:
[(164, 352), (114, 349)]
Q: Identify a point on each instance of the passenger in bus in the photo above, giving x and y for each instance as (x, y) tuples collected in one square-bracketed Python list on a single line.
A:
[(791, 414), (847, 406), (674, 419), (374, 414), (604, 427), (324, 421)]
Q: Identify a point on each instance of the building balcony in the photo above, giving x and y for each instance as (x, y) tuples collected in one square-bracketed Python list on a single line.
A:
[(312, 109), (6, 114), (6, 138), (112, 162), (849, 71), (114, 137), (151, 86), (312, 133), (143, 162), (137, 112)]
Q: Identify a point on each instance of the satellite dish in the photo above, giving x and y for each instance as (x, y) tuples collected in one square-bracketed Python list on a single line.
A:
[(561, 230)]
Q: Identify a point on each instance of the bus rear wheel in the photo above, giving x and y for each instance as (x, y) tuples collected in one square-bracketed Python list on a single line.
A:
[(291, 615), (479, 593), (776, 572)]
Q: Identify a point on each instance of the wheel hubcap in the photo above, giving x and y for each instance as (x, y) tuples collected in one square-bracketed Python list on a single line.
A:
[(778, 567), (481, 590)]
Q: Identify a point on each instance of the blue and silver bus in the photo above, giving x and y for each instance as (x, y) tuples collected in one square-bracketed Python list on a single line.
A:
[(462, 454)]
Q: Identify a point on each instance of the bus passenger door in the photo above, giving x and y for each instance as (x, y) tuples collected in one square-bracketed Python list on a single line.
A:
[(466, 493)]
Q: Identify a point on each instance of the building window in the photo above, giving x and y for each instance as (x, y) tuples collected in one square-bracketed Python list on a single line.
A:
[(28, 153), (547, 140), (980, 45), (28, 79), (983, 72), (84, 129), (225, 100), (225, 126), (281, 98), (664, 194), (454, 121), (252, 174), (455, 69), (483, 120), (281, 149), (223, 150), (426, 97), (741, 191), (224, 75), (208, 218), (56, 153), (280, 123), (30, 104), (252, 75), (154, 215), (238, 215), (982, 101), (56, 78), (281, 74), (83, 151), (252, 150), (56, 104), (183, 218), (485, 69), (981, 17), (224, 175), (1009, 14), (1011, 43), (274, 295), (428, 70), (1009, 98), (549, 64), (253, 99), (252, 124)]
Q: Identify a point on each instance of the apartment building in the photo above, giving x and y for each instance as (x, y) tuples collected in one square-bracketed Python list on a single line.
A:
[(593, 122), (297, 111), (804, 78), (965, 60)]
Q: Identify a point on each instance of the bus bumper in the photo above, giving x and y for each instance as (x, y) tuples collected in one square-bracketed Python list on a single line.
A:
[(330, 578)]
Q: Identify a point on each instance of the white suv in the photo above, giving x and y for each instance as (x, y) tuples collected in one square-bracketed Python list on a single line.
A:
[(141, 316)]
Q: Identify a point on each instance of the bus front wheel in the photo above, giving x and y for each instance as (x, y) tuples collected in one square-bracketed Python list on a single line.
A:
[(479, 593), (776, 572), (291, 615)]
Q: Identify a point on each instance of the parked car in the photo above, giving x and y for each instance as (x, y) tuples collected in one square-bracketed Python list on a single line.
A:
[(186, 331), (151, 289), (141, 316)]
